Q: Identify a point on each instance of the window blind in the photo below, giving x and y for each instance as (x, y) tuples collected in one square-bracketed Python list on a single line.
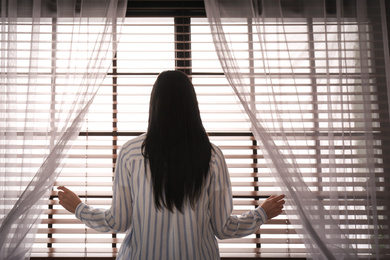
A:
[(120, 112)]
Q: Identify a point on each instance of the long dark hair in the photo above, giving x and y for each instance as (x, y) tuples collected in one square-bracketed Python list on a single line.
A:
[(176, 143)]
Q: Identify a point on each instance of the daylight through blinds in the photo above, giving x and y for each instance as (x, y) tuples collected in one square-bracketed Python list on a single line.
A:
[(120, 112)]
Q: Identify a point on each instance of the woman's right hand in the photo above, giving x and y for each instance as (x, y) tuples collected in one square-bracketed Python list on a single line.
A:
[(273, 206)]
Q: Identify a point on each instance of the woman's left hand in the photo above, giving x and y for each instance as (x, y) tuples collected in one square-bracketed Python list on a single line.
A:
[(68, 199)]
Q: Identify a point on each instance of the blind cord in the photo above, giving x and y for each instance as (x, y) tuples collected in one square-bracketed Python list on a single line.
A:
[(85, 186)]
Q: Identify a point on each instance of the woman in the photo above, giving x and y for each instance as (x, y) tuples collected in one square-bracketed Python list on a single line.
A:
[(172, 193)]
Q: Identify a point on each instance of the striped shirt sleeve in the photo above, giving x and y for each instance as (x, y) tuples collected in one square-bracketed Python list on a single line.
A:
[(118, 217), (226, 225)]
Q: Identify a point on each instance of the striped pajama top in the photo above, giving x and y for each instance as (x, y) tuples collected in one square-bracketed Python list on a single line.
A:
[(161, 234)]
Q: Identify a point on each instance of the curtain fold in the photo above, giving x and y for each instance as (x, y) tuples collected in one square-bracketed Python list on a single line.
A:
[(54, 56), (302, 72)]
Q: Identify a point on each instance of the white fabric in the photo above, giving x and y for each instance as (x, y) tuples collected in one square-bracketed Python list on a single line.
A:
[(318, 226), (161, 234), (52, 63)]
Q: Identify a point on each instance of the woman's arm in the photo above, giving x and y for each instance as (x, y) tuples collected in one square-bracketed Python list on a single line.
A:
[(115, 219), (225, 224)]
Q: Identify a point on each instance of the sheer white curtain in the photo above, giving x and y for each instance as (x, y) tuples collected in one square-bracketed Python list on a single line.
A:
[(54, 56), (302, 72)]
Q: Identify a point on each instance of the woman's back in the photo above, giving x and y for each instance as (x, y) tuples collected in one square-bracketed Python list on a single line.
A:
[(153, 233), (162, 234)]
